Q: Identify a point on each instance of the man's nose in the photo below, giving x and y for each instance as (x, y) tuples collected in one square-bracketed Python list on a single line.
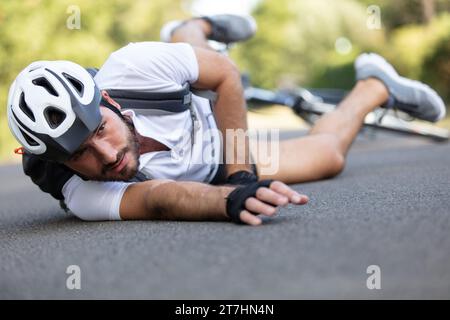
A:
[(106, 151)]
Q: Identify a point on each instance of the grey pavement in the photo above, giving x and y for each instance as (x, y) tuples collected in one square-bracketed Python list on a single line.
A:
[(390, 208)]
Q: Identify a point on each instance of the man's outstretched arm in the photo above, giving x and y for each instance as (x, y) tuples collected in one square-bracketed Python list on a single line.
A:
[(170, 200), (194, 201)]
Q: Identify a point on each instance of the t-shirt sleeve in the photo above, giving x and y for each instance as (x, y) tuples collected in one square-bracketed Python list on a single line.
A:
[(93, 200), (150, 66)]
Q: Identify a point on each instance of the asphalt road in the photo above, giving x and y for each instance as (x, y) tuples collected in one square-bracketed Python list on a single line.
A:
[(390, 208)]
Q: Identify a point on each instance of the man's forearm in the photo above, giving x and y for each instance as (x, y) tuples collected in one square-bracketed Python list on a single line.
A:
[(230, 113), (188, 201)]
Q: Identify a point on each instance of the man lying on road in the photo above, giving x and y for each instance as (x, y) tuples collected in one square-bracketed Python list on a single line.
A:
[(108, 164)]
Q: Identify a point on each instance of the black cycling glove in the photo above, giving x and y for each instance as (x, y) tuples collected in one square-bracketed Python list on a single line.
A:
[(242, 177), (236, 199)]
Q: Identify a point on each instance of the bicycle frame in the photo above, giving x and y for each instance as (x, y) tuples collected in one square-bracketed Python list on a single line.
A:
[(310, 104)]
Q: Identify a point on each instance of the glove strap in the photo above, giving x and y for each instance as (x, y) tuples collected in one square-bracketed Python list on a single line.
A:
[(236, 199)]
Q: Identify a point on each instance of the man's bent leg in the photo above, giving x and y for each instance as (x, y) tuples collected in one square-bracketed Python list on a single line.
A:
[(322, 153), (193, 32), (223, 28)]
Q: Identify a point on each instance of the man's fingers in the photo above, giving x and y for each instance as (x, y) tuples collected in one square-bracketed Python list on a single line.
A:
[(266, 200), (259, 207), (248, 218), (271, 197), (292, 195)]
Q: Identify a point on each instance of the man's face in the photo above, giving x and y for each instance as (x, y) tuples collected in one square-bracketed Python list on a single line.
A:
[(111, 153)]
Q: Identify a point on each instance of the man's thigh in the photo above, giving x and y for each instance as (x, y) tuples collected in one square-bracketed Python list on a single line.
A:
[(298, 160)]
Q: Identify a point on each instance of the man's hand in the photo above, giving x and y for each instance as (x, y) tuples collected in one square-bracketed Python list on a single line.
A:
[(264, 202)]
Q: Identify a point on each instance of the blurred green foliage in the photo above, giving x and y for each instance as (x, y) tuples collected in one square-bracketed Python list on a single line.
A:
[(295, 43), (423, 52), (404, 12)]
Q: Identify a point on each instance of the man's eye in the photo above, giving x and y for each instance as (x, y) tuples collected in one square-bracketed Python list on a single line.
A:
[(101, 128)]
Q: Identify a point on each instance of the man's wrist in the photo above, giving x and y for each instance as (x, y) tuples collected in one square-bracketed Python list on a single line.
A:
[(242, 177), (224, 192), (231, 169)]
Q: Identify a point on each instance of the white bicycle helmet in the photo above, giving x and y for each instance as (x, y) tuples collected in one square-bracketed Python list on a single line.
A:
[(53, 106)]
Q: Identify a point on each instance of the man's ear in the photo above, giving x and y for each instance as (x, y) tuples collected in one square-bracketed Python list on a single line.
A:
[(128, 117), (110, 100)]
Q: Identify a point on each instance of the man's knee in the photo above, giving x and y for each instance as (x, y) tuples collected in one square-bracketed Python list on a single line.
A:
[(333, 155), (338, 164)]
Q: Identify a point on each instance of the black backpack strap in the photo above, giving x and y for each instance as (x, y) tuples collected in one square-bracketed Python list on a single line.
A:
[(165, 102), (49, 176), (92, 71), (147, 102)]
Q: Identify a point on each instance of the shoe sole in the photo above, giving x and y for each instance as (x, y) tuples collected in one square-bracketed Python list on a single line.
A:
[(404, 90)]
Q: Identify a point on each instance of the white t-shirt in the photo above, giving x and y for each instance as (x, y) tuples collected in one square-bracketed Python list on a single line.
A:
[(160, 67)]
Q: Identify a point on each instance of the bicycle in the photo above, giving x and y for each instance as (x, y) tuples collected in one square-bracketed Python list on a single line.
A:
[(310, 104)]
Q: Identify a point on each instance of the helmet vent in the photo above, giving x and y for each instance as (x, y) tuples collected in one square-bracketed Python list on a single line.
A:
[(24, 107), (28, 139), (54, 117), (46, 85), (77, 84)]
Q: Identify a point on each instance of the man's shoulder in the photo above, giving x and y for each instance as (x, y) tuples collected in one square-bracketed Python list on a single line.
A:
[(148, 47), (149, 66)]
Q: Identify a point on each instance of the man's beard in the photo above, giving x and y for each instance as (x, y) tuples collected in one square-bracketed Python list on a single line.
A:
[(132, 148)]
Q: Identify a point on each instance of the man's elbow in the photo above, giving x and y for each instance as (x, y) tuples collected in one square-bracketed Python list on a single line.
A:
[(232, 72), (228, 73)]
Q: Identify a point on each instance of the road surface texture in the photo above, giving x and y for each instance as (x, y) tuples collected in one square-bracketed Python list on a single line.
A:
[(390, 208)]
